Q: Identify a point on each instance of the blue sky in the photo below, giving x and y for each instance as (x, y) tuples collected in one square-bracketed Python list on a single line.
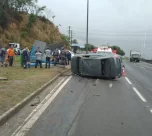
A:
[(116, 22)]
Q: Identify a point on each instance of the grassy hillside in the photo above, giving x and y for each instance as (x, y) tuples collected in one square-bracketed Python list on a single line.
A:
[(18, 31)]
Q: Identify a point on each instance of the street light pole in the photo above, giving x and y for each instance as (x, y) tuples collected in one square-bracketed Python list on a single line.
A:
[(144, 46), (87, 26)]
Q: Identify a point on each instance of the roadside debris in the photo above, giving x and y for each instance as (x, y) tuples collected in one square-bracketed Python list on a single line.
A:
[(37, 101)]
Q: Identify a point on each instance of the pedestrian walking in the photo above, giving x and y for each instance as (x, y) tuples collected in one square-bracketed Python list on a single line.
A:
[(55, 56), (38, 55), (48, 57), (11, 54)]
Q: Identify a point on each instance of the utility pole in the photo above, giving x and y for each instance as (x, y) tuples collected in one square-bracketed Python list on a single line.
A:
[(71, 37), (69, 33), (87, 26), (144, 46)]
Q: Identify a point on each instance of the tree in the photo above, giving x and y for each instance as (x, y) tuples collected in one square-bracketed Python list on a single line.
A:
[(9, 10), (118, 49), (75, 41), (33, 16), (65, 39), (3, 18), (90, 47)]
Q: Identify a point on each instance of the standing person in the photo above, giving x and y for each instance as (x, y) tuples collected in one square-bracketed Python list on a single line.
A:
[(38, 50), (11, 54), (63, 56), (25, 57), (48, 57), (55, 56), (68, 57), (38, 55), (28, 58), (2, 55), (21, 57)]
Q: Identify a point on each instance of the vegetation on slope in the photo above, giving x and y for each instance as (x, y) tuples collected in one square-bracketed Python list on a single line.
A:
[(21, 22)]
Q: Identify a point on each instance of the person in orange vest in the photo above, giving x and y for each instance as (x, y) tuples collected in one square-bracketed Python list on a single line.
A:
[(11, 54)]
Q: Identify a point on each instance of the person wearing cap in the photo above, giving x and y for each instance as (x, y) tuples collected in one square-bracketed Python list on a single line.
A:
[(48, 57)]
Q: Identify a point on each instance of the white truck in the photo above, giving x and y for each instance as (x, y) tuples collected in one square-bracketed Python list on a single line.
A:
[(16, 47), (135, 56)]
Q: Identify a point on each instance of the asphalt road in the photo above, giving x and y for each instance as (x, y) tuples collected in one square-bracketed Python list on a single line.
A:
[(96, 107)]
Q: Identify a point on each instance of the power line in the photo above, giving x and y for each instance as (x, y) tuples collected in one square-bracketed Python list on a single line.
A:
[(106, 34), (113, 31)]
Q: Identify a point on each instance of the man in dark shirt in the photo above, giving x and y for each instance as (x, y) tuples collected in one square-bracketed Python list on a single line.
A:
[(55, 56), (25, 57), (63, 56), (68, 57)]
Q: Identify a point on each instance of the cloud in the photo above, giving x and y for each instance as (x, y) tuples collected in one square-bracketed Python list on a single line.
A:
[(119, 22)]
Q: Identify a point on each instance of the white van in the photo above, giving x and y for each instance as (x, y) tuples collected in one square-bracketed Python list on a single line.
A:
[(16, 47)]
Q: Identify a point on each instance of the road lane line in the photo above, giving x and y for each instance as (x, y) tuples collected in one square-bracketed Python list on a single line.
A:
[(28, 125), (151, 110), (128, 80), (39, 106), (110, 85), (139, 94)]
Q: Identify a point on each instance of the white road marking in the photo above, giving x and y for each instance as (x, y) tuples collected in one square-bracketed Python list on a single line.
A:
[(33, 117), (128, 80), (139, 94), (39, 106), (151, 110), (110, 85)]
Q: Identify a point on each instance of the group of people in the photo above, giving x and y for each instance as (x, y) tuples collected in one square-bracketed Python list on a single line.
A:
[(7, 55), (63, 57)]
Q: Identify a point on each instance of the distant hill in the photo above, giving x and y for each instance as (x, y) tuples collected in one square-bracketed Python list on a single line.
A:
[(17, 31)]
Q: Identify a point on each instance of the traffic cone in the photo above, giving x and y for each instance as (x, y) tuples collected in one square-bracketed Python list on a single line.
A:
[(123, 72)]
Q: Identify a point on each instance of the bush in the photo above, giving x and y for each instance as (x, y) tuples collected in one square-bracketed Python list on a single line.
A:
[(24, 34), (43, 18), (31, 20), (3, 19)]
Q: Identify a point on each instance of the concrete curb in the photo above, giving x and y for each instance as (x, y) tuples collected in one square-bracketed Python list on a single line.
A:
[(7, 115)]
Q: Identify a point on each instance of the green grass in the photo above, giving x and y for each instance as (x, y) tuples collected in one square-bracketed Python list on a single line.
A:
[(21, 83)]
